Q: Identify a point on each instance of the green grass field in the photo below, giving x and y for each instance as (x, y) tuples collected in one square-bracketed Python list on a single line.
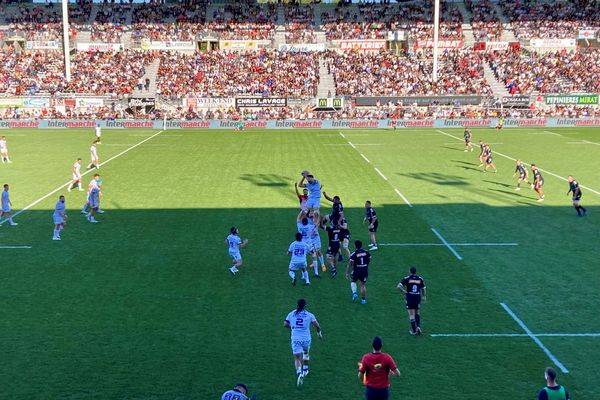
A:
[(142, 306)]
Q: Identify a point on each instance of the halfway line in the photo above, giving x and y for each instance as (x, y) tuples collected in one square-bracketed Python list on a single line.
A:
[(446, 244), (85, 173), (535, 339), (514, 159)]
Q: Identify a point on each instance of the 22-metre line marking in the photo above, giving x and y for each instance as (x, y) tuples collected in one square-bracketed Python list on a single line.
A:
[(535, 339), (85, 173), (448, 245), (514, 159)]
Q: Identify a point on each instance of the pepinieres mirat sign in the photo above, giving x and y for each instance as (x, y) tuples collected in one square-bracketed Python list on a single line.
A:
[(578, 99)]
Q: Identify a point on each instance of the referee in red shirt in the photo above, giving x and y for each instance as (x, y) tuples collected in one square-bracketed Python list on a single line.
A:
[(375, 370)]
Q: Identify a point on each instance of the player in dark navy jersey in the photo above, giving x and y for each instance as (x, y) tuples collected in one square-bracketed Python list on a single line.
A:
[(538, 182), (345, 238), (482, 146), (468, 137), (489, 160), (337, 209), (576, 190), (359, 262), (414, 288), (521, 169), (371, 218), (334, 233)]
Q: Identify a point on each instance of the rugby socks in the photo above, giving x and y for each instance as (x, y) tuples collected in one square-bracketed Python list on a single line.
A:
[(321, 260), (306, 278), (579, 209), (418, 319), (353, 287), (292, 274), (413, 325)]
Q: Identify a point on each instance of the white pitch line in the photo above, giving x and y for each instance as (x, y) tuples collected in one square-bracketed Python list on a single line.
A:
[(369, 144), (381, 174), (336, 144), (451, 244), (535, 339), (365, 158), (85, 173), (514, 335), (342, 135), (588, 142), (15, 247), (353, 146), (514, 159), (446, 244), (403, 197)]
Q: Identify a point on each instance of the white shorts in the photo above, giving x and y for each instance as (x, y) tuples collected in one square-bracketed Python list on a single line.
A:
[(235, 255), (93, 157), (6, 209), (58, 220), (3, 150), (313, 203), (76, 177), (300, 346), (295, 266)]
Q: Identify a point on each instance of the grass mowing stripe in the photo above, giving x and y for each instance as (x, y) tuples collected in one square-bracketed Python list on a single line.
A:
[(85, 173), (514, 159), (535, 339), (458, 256)]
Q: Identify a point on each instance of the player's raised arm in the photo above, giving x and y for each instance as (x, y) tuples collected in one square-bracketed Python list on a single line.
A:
[(300, 216), (296, 188), (327, 197), (301, 183)]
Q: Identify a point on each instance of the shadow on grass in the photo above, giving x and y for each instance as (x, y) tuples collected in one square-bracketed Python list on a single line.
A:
[(269, 180), (438, 178)]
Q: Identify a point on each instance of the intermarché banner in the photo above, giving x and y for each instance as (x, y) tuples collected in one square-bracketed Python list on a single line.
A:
[(303, 124), (572, 99)]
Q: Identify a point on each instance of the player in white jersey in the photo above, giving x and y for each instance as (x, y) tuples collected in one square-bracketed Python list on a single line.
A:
[(4, 150), (6, 205), (98, 133), (298, 250), (94, 160), (76, 180), (234, 244), (299, 322), (307, 228), (59, 217)]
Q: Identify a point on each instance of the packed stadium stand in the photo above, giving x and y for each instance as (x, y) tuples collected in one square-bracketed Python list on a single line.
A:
[(505, 56)]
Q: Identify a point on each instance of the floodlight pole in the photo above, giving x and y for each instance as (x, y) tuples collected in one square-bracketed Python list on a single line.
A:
[(436, 29), (65, 19)]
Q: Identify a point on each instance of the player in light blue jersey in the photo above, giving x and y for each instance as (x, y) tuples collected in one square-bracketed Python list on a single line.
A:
[(234, 244), (307, 228), (299, 322), (314, 192), (59, 216), (239, 392), (315, 239), (5, 210), (298, 250)]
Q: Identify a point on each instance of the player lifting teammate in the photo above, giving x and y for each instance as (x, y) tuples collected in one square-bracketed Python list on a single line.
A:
[(334, 233), (576, 190), (359, 262), (468, 137), (414, 288), (538, 182), (523, 174)]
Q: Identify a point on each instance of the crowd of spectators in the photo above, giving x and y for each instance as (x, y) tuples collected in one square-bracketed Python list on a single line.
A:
[(110, 23), (553, 72), (485, 21), (29, 73), (228, 74), (388, 111), (244, 20), (387, 74), (299, 26), (560, 19)]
